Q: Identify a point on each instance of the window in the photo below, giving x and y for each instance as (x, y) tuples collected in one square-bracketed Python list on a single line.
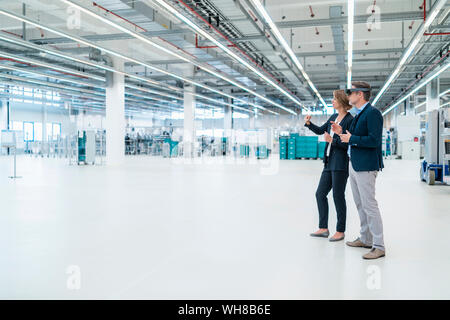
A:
[(56, 130), (37, 131), (177, 115), (239, 115), (17, 91), (37, 94), (28, 131), (27, 92), (16, 126)]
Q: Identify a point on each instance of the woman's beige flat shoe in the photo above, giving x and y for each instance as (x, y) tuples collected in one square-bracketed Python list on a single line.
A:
[(320, 235)]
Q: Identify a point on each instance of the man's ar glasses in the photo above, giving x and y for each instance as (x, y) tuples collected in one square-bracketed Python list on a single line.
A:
[(349, 91)]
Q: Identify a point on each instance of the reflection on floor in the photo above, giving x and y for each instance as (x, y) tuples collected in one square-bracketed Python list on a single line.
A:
[(162, 229)]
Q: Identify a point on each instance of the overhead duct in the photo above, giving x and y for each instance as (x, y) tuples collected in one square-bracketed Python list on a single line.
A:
[(338, 39), (96, 55)]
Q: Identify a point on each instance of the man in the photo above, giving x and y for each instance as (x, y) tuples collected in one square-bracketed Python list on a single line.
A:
[(364, 138)]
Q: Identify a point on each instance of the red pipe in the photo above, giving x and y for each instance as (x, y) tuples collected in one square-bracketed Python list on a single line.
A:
[(136, 26), (436, 34), (425, 17), (208, 47), (424, 10), (231, 42), (424, 73), (311, 11), (177, 47), (253, 16), (12, 33), (225, 37), (116, 15)]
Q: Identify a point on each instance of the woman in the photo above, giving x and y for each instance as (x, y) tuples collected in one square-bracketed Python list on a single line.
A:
[(335, 172)]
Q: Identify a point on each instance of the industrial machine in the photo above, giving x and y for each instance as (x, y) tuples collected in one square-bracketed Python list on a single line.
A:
[(435, 166), (86, 147)]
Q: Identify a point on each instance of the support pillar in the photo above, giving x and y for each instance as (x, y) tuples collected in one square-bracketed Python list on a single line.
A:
[(433, 95), (115, 117), (189, 135), (4, 115), (228, 125), (251, 119), (228, 120), (44, 123)]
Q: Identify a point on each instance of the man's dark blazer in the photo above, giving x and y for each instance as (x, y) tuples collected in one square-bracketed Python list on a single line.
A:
[(366, 139), (338, 159)]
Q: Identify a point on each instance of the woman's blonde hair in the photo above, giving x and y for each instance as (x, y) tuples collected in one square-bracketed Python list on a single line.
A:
[(342, 99)]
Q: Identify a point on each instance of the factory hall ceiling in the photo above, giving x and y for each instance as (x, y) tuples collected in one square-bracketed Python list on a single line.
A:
[(275, 56)]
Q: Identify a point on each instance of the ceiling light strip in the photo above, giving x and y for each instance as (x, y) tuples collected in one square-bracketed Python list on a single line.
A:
[(205, 34), (51, 66), (152, 43), (424, 82), (412, 45), (46, 75), (262, 11), (92, 44)]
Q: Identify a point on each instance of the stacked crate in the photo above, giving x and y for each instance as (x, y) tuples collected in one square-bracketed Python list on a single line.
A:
[(244, 150), (321, 149), (283, 148), (291, 148), (306, 146)]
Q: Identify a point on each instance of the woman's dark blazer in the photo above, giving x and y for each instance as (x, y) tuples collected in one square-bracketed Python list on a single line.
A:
[(338, 159)]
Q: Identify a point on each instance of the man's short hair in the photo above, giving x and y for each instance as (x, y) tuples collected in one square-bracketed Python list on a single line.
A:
[(363, 84)]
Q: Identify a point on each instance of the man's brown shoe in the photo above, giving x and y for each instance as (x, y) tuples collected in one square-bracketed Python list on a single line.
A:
[(374, 254), (358, 243)]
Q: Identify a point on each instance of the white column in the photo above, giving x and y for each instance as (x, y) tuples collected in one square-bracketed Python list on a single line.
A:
[(115, 117), (189, 135), (228, 125), (433, 95), (44, 122), (252, 120), (228, 121), (4, 115)]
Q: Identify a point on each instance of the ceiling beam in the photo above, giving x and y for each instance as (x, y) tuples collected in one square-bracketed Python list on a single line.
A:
[(385, 17), (344, 53), (114, 36)]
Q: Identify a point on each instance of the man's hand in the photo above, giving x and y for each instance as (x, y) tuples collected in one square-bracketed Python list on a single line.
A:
[(345, 137), (327, 137), (336, 128), (308, 119)]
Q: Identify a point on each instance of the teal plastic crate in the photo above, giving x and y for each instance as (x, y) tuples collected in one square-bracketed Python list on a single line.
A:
[(306, 147), (283, 147), (244, 150), (321, 149)]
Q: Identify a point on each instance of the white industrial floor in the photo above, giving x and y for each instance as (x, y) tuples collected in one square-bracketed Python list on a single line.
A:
[(159, 229)]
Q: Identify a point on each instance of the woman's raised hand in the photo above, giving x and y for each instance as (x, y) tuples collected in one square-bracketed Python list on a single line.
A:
[(308, 119)]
